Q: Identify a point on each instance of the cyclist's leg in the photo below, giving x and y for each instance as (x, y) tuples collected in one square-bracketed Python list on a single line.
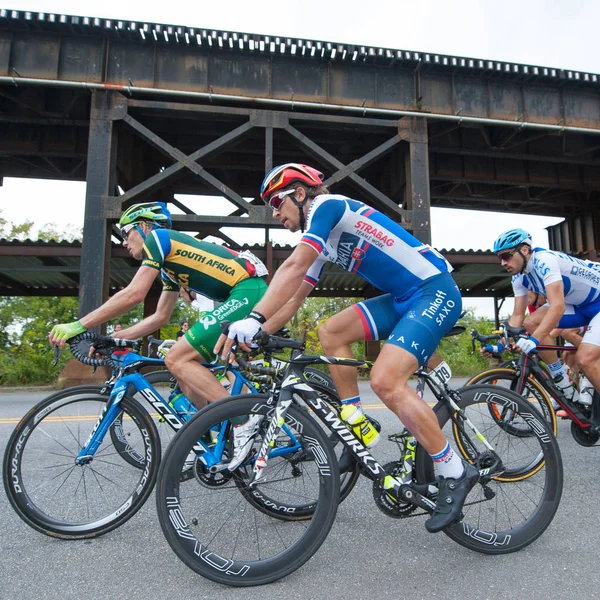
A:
[(588, 353), (336, 335), (550, 357), (197, 382), (424, 319)]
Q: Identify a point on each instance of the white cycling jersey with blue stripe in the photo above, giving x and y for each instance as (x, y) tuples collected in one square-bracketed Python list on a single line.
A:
[(581, 278), (364, 241)]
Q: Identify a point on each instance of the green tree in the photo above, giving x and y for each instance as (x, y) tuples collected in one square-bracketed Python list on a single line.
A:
[(457, 350), (26, 356)]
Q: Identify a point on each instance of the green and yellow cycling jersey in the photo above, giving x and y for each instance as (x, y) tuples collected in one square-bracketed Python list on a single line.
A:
[(204, 267)]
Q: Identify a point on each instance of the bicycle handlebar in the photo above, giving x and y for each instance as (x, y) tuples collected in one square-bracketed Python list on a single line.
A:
[(100, 342), (484, 340)]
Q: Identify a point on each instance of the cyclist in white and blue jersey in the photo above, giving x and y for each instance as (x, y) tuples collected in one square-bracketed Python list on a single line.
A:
[(420, 304), (572, 290)]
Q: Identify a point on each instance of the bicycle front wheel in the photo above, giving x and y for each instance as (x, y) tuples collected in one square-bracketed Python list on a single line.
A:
[(60, 498), (217, 524), (511, 507), (533, 392), (323, 385)]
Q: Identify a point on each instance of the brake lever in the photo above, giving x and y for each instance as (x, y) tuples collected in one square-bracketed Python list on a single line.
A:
[(57, 353)]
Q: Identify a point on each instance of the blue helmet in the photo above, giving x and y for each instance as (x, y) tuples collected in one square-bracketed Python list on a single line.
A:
[(511, 238)]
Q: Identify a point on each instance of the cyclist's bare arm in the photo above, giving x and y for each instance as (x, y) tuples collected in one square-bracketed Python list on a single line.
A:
[(556, 309), (124, 300), (287, 280), (288, 310), (164, 310)]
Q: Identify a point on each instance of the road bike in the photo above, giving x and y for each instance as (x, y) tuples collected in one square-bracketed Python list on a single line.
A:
[(84, 460), (221, 537), (527, 375)]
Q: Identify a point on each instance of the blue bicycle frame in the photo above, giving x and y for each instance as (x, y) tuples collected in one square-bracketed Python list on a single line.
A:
[(210, 456)]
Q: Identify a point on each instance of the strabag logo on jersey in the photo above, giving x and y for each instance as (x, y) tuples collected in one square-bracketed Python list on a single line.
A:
[(377, 237), (585, 273)]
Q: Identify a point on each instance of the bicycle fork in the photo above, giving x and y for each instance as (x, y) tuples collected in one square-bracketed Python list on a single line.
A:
[(105, 420)]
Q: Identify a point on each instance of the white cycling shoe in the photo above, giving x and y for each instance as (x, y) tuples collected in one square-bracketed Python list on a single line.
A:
[(243, 437)]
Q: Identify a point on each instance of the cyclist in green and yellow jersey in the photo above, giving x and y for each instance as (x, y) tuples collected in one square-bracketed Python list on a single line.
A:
[(188, 265)]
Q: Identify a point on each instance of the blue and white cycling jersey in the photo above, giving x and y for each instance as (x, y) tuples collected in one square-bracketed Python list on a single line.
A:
[(364, 241), (581, 278)]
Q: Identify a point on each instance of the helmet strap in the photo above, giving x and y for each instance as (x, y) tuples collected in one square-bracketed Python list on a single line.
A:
[(300, 206), (140, 231), (525, 260)]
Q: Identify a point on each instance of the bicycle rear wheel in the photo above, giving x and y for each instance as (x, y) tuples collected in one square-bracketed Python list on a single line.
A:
[(511, 508), (220, 527), (60, 498)]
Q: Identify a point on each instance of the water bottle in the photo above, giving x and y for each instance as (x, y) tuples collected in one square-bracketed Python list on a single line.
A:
[(566, 386), (182, 406), (224, 381), (586, 391), (359, 423)]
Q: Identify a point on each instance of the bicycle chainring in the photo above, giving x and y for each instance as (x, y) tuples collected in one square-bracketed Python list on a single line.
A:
[(584, 437), (208, 479), (385, 503)]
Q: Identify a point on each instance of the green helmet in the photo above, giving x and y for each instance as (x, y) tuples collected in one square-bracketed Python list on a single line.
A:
[(148, 211)]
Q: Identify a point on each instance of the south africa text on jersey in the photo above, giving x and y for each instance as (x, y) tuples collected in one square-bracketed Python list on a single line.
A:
[(212, 262)]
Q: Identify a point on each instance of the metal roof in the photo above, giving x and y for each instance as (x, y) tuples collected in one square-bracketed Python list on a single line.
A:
[(51, 268), (259, 44)]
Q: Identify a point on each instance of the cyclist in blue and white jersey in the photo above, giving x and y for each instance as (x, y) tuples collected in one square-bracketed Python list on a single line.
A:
[(420, 304), (572, 290)]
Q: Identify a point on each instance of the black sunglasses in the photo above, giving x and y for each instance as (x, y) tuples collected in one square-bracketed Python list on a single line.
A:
[(506, 256)]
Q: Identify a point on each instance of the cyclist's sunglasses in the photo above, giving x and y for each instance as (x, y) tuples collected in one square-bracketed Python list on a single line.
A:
[(506, 256), (278, 199), (126, 229)]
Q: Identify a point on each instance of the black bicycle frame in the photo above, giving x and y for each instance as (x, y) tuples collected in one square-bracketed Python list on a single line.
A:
[(529, 366)]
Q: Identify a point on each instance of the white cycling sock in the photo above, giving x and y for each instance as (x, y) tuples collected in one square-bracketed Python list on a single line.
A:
[(352, 400), (447, 463)]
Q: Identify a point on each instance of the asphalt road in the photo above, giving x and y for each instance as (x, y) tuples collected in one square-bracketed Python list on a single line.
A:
[(367, 554)]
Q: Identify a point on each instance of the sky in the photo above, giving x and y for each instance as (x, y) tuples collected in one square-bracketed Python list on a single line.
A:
[(552, 33)]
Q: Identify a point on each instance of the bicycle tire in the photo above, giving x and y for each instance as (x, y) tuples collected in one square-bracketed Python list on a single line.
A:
[(55, 430), (529, 504), (213, 529), (319, 381), (533, 392)]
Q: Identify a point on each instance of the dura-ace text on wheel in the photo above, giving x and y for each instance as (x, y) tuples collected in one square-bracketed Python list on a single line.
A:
[(215, 523), (512, 508), (62, 497)]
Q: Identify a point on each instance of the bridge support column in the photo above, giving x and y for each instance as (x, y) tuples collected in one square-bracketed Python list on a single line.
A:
[(101, 183), (417, 195)]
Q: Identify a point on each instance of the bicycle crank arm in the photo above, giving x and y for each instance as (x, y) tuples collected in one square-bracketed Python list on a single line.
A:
[(409, 493)]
